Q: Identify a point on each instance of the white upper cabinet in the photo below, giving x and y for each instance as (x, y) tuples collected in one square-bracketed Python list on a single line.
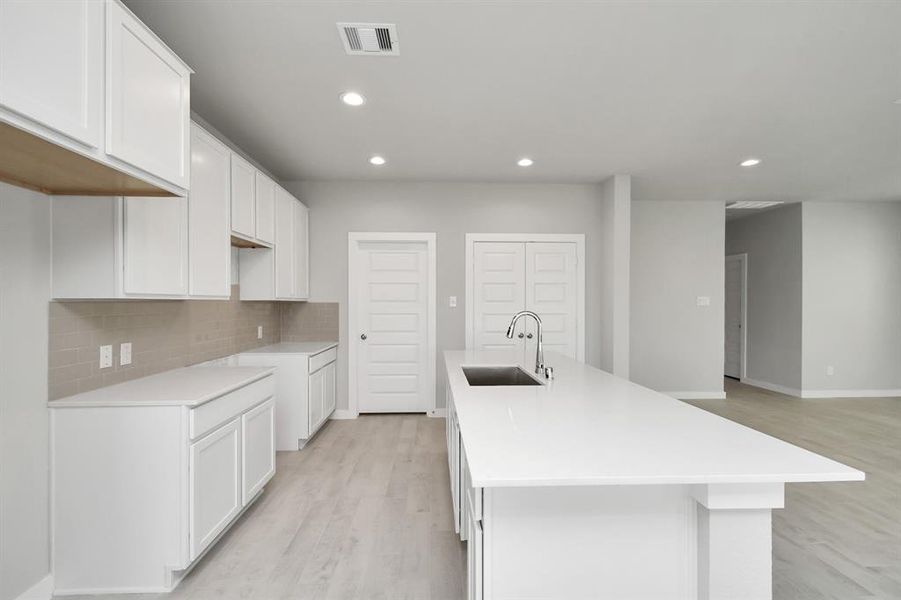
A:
[(265, 208), (285, 280), (281, 273), (148, 95), (156, 246), (209, 249), (51, 64), (301, 251), (87, 87), (243, 204)]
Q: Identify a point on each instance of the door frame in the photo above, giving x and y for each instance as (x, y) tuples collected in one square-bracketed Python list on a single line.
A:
[(574, 238), (742, 258), (353, 270)]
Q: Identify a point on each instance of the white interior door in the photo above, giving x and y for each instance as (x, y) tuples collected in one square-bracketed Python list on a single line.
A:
[(391, 295), (552, 293), (734, 311), (499, 292)]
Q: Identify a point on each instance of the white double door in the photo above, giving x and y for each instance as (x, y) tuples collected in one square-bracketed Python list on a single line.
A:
[(543, 277), (391, 296)]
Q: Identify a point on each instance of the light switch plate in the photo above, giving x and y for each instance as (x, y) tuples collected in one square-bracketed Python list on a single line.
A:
[(259, 332), (452, 302), (703, 300), (125, 353), (106, 356), (830, 370)]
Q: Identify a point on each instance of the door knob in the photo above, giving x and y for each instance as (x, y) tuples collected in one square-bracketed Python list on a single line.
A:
[(363, 336), (520, 336), (529, 336)]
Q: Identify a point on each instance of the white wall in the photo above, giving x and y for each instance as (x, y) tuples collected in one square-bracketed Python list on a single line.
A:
[(614, 271), (677, 255), (852, 297), (24, 454), (772, 240), (451, 210)]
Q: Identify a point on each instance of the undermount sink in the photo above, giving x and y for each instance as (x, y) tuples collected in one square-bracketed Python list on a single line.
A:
[(485, 376)]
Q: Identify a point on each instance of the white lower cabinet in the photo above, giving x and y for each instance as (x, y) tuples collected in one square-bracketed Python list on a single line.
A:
[(258, 458), (306, 388), (140, 492), (215, 484)]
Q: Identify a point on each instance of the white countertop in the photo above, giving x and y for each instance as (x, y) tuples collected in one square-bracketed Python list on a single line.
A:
[(187, 386), (588, 427), (293, 348)]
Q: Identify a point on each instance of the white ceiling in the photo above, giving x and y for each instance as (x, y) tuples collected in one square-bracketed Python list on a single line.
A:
[(674, 93)]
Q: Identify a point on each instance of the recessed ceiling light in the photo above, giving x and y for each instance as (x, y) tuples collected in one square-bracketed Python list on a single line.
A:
[(743, 204), (750, 162), (525, 162), (352, 99), (377, 160)]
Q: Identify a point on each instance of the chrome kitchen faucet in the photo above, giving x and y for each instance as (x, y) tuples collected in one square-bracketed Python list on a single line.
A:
[(540, 369)]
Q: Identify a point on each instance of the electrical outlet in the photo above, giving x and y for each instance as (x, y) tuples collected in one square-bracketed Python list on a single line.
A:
[(452, 302), (106, 356), (830, 370), (703, 301), (125, 353), (259, 332)]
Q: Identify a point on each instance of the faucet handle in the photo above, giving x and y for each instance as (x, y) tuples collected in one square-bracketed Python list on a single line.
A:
[(549, 372)]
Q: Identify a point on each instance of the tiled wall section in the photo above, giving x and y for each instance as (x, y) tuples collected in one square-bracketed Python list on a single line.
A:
[(310, 322), (164, 334)]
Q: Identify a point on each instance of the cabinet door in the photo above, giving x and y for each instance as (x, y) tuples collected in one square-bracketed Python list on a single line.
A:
[(284, 245), (51, 64), (301, 251), (317, 390), (155, 246), (215, 484), (474, 562), (258, 462), (148, 99), (329, 391), (265, 208), (242, 196), (208, 207)]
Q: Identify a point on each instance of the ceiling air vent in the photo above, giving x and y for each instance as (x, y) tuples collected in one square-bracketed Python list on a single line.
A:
[(370, 39)]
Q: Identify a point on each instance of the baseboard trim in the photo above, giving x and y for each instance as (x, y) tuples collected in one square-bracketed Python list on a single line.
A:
[(697, 395), (773, 387), (340, 414), (42, 590), (851, 393), (438, 413)]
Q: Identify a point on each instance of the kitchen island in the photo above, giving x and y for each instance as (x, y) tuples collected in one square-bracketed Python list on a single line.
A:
[(590, 486)]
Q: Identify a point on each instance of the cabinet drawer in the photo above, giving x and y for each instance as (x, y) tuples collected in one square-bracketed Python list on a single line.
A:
[(317, 361), (207, 416)]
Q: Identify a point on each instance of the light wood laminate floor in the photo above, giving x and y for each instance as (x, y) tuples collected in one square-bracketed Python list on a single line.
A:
[(364, 511)]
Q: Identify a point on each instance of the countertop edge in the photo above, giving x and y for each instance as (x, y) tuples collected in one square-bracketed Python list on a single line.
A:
[(261, 352), (65, 403)]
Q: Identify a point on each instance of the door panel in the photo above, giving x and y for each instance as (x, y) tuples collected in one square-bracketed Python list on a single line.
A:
[(733, 317), (215, 491), (552, 293), (498, 294), (392, 303), (301, 250), (285, 238), (242, 201), (147, 130), (51, 64), (156, 246), (258, 456), (329, 397), (317, 390), (265, 207), (209, 249)]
